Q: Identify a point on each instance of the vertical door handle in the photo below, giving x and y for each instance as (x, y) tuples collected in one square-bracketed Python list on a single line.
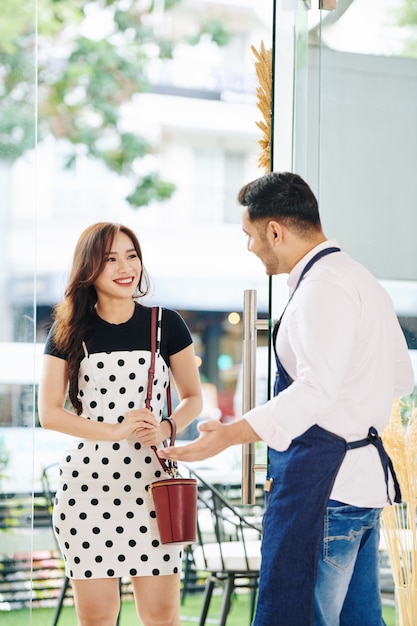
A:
[(250, 327)]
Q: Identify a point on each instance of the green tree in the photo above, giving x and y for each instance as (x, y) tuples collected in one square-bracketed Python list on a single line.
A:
[(84, 78), (406, 15)]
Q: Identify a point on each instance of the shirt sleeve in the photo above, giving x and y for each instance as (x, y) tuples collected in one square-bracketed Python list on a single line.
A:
[(178, 336), (50, 346)]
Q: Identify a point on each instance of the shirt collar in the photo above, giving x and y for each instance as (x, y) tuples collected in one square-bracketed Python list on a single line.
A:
[(295, 273)]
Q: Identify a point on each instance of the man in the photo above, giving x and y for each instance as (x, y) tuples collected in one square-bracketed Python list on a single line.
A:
[(341, 360)]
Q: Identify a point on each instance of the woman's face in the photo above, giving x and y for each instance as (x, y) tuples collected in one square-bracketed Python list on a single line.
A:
[(122, 270)]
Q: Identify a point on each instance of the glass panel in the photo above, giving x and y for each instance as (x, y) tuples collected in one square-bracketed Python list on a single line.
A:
[(18, 348), (367, 134), (344, 119), (292, 100), (345, 88), (366, 128), (121, 126)]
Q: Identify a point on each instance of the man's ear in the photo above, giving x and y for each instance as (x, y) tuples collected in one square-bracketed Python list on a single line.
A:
[(275, 231)]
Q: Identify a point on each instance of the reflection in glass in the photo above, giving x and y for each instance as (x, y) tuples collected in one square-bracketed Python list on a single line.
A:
[(130, 128), (17, 317), (354, 129), (344, 118)]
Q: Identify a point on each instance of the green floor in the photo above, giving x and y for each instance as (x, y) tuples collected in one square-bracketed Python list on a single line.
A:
[(190, 611)]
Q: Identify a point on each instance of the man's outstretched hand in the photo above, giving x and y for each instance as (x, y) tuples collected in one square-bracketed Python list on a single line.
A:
[(210, 442), (214, 438)]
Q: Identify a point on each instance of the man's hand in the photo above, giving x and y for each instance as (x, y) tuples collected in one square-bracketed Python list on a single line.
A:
[(214, 438), (210, 442)]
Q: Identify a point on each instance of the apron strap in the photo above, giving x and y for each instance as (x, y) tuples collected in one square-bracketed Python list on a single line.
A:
[(374, 439), (282, 379), (308, 266)]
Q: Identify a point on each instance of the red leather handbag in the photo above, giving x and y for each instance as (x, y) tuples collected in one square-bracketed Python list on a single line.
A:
[(175, 498), (175, 501)]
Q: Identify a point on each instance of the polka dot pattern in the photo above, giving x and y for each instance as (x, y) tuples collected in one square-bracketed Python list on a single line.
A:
[(103, 516)]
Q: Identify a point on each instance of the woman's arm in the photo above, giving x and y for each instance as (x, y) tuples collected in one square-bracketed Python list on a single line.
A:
[(53, 387), (187, 382)]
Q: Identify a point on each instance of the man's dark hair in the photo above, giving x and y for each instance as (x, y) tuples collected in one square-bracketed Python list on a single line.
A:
[(282, 196)]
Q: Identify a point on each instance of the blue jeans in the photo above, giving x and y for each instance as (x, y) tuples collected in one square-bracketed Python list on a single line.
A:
[(347, 588)]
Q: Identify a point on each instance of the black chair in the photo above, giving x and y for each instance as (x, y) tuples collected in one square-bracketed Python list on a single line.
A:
[(50, 475), (49, 483), (227, 551)]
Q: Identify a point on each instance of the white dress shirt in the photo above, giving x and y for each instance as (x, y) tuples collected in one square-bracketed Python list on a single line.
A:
[(342, 345)]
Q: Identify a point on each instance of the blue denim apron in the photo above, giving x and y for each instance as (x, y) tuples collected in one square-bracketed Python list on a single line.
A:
[(302, 480)]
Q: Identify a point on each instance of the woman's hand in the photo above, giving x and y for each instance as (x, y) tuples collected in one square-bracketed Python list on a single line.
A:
[(143, 423), (134, 420)]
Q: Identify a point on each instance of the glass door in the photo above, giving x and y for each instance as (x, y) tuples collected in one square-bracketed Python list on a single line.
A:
[(343, 117), (144, 116), (21, 542), (290, 102), (165, 150)]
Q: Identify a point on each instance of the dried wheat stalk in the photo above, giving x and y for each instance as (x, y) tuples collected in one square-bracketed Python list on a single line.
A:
[(399, 520), (263, 67)]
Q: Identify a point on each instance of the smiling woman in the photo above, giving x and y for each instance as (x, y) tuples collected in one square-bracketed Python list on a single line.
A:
[(99, 347)]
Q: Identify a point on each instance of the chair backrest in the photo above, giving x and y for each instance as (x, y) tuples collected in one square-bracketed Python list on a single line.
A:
[(30, 566), (229, 537), (49, 479)]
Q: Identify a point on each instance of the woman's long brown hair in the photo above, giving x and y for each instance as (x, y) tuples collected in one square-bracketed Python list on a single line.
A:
[(75, 314)]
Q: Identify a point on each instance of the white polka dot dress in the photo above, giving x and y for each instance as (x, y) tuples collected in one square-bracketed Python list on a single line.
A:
[(103, 517)]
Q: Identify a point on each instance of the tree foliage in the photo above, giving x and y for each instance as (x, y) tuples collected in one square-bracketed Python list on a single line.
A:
[(406, 15), (86, 60)]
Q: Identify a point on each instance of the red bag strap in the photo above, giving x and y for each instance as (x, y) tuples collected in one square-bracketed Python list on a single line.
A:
[(171, 466), (151, 370)]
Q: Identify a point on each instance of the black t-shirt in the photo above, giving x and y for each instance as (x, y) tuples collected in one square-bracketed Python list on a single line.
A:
[(135, 334)]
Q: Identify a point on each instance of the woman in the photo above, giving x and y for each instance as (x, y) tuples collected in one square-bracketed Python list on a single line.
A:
[(98, 351)]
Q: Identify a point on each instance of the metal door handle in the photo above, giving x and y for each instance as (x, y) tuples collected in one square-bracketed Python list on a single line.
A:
[(250, 327)]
